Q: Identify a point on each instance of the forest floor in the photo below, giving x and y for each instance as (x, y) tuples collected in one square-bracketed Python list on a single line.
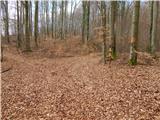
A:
[(79, 87)]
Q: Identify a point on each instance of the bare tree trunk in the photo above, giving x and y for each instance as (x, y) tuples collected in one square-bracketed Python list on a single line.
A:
[(112, 45), (134, 33), (27, 35), (53, 11), (103, 17), (30, 18), (151, 22), (154, 27), (55, 29), (18, 27), (83, 21), (23, 20), (47, 18), (36, 23), (122, 17), (65, 15), (88, 16), (6, 20), (21, 23), (62, 20)]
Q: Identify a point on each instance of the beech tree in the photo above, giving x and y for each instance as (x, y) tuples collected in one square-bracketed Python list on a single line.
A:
[(53, 17), (36, 23), (122, 16), (27, 35), (18, 27), (134, 33), (65, 17), (112, 45), (47, 17), (151, 21), (4, 6), (30, 17), (153, 29), (62, 20), (55, 27), (85, 21), (103, 17)]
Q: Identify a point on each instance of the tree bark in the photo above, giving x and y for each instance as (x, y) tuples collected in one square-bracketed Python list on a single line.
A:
[(47, 18), (154, 27), (30, 18), (88, 16), (151, 22), (65, 15), (134, 34), (27, 35), (103, 17), (36, 23), (83, 21), (53, 11), (123, 3), (112, 45), (62, 20), (18, 27), (55, 32), (6, 20)]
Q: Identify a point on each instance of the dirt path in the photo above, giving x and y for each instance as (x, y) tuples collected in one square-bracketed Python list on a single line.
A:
[(79, 88)]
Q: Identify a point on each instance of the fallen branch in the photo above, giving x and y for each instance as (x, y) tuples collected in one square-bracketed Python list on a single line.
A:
[(3, 71)]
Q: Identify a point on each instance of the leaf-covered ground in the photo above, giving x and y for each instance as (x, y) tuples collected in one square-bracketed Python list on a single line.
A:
[(78, 88)]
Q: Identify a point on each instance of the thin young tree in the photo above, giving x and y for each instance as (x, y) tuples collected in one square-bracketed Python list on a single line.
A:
[(30, 18), (83, 21), (62, 20), (88, 18), (36, 23), (18, 27), (151, 22), (65, 18), (47, 17), (22, 20), (53, 11), (55, 14), (134, 34)]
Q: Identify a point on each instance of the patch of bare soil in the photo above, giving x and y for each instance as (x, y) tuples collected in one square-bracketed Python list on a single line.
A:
[(79, 88)]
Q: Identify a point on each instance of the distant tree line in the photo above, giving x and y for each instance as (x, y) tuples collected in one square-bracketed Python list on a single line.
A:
[(117, 20)]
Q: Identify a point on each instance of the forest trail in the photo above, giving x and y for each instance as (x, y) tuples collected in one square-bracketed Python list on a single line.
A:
[(78, 87)]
